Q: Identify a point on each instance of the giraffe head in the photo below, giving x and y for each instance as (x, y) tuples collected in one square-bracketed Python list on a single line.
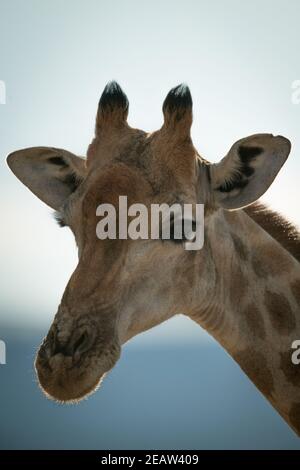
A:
[(122, 287)]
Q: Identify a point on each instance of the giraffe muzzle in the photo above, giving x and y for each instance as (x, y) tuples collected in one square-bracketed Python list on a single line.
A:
[(70, 364)]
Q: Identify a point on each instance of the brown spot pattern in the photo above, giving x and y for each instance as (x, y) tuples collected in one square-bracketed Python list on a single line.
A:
[(290, 370), (240, 248), (259, 266), (281, 315), (255, 321), (255, 366), (269, 260), (238, 284)]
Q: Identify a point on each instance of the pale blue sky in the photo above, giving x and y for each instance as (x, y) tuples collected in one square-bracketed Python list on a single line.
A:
[(56, 56)]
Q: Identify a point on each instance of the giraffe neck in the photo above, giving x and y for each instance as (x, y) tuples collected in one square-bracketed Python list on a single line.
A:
[(254, 311)]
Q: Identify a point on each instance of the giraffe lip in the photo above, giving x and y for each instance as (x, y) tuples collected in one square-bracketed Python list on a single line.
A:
[(63, 381), (67, 378), (63, 392)]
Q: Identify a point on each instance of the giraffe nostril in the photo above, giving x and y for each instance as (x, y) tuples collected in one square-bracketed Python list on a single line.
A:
[(59, 348), (69, 344), (81, 343)]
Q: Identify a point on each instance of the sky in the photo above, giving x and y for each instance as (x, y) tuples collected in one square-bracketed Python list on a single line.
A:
[(240, 60)]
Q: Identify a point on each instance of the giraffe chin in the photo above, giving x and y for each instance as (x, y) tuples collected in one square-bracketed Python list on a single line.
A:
[(63, 381)]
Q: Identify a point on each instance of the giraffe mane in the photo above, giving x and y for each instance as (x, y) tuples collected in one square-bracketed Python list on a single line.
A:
[(283, 231)]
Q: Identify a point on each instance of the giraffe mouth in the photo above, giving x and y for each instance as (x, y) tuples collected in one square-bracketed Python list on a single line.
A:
[(69, 379)]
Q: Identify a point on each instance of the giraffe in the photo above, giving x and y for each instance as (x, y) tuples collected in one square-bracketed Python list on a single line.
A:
[(242, 287)]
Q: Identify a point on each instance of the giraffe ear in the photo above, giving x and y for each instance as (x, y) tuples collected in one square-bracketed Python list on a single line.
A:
[(248, 170), (51, 174)]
